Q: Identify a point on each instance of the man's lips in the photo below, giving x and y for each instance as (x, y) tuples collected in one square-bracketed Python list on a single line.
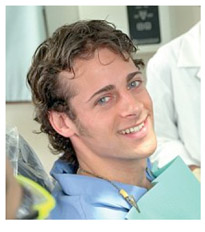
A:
[(133, 129)]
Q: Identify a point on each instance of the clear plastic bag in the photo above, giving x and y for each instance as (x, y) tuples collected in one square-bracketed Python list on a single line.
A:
[(24, 160)]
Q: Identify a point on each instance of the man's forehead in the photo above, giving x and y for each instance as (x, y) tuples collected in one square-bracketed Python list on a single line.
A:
[(101, 56), (83, 68), (106, 56), (66, 74), (66, 83)]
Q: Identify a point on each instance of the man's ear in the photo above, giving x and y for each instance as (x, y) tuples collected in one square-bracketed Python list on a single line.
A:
[(61, 123)]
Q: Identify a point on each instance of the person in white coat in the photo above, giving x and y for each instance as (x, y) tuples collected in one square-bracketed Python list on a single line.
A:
[(173, 81)]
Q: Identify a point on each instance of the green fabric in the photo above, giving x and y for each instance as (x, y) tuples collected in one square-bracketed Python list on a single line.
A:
[(175, 194)]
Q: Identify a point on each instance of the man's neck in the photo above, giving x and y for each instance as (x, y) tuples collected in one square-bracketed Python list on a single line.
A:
[(124, 171)]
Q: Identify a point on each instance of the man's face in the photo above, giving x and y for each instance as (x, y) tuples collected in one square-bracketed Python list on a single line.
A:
[(113, 108)]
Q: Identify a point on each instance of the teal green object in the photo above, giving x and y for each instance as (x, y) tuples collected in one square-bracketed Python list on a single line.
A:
[(175, 195)]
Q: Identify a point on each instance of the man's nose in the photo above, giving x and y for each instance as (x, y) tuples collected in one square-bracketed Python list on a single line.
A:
[(130, 106)]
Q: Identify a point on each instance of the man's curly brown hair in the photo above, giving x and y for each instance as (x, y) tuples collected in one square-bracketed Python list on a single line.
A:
[(57, 54)]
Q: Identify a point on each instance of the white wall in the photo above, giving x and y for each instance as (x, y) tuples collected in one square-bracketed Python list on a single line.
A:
[(60, 15), (182, 18), (174, 20)]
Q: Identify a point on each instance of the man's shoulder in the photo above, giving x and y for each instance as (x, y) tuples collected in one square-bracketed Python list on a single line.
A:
[(170, 49), (67, 207), (61, 166)]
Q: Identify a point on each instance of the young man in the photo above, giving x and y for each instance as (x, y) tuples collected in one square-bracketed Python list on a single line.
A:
[(91, 100)]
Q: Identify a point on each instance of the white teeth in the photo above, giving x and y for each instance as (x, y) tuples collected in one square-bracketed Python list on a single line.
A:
[(132, 129)]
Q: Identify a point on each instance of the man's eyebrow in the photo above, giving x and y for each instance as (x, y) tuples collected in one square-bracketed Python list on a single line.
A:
[(104, 89), (107, 88), (130, 76)]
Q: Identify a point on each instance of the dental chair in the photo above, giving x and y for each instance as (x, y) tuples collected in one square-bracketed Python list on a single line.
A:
[(24, 160)]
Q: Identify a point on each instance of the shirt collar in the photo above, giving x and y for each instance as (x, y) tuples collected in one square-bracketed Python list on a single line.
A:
[(104, 193)]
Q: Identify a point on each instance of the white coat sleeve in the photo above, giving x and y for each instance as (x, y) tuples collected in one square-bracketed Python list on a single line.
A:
[(159, 86)]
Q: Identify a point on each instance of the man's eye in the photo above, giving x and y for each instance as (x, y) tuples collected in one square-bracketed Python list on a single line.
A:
[(134, 84), (103, 100)]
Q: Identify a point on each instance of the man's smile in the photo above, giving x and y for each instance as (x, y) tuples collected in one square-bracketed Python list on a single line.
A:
[(133, 129)]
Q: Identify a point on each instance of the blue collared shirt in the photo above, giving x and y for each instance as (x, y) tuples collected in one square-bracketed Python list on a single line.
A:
[(85, 197)]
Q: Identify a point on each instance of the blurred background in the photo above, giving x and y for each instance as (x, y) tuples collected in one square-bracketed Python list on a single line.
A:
[(28, 26)]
